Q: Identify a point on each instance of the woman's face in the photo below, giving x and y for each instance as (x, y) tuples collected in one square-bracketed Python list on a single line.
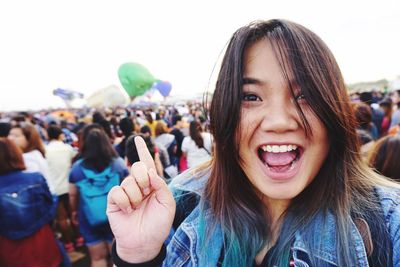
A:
[(275, 153), (395, 97), (17, 136)]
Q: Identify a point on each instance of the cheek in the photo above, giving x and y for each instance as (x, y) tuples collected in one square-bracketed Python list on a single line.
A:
[(22, 142)]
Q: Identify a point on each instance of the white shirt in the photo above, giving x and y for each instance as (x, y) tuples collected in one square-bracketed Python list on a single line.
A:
[(59, 157), (35, 162), (195, 155)]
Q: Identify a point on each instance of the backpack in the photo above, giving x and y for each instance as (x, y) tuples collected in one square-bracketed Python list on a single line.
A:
[(93, 193)]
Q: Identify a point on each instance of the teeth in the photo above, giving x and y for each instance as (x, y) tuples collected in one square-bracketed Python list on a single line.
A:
[(279, 149)]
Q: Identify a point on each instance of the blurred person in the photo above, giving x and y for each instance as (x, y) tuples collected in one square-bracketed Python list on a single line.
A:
[(70, 137), (162, 151), (59, 156), (131, 154), (384, 157), (98, 160), (27, 138), (387, 107), (126, 126), (177, 125), (197, 147), (395, 96), (167, 140), (287, 185), (376, 113), (26, 211), (363, 116), (114, 124), (151, 123), (99, 118), (5, 128)]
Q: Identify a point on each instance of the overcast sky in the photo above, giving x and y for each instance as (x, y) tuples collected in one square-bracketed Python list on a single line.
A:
[(79, 45)]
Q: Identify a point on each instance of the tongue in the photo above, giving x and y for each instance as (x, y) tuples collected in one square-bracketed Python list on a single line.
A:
[(278, 159)]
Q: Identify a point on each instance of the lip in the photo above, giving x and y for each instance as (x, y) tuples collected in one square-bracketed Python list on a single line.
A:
[(282, 176)]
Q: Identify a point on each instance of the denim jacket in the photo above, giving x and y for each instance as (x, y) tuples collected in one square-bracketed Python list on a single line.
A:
[(184, 248), (26, 204)]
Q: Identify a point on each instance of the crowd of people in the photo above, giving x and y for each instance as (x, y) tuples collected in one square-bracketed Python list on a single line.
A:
[(64, 152), (282, 169)]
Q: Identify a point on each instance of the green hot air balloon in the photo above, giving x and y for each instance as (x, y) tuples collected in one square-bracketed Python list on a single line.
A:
[(135, 78)]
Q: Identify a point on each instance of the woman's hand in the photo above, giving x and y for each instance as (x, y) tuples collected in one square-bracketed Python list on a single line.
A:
[(141, 210)]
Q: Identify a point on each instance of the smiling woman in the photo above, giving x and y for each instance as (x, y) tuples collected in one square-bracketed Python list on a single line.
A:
[(286, 186)]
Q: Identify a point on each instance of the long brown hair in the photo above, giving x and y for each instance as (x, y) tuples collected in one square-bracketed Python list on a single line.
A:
[(10, 157), (344, 184), (195, 131), (33, 138), (384, 157), (97, 151)]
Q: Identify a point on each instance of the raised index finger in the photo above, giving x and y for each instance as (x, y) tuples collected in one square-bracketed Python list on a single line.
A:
[(144, 154)]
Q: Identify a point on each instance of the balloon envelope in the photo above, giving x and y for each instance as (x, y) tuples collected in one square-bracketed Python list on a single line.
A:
[(164, 87), (135, 78), (67, 94)]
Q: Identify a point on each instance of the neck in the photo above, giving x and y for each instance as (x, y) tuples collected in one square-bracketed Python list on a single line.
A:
[(274, 208)]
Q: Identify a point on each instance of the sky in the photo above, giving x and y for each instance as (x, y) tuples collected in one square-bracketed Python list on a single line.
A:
[(80, 45)]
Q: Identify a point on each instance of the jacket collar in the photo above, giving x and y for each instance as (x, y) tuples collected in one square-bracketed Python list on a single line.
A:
[(324, 224)]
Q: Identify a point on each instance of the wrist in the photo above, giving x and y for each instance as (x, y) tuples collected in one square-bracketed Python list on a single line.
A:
[(137, 255)]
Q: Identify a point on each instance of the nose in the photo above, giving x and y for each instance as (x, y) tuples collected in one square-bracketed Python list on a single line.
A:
[(280, 117)]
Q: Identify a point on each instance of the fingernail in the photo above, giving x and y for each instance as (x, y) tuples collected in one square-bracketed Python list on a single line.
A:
[(146, 191), (128, 209)]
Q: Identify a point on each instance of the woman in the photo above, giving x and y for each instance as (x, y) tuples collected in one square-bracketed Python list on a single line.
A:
[(286, 186), (384, 157), (364, 119), (197, 146), (26, 211), (387, 107), (27, 138), (98, 161), (167, 141)]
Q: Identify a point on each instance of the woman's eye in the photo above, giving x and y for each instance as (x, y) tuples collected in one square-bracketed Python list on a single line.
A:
[(250, 97)]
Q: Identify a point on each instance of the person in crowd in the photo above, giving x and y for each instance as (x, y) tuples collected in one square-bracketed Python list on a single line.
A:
[(286, 186), (162, 151), (376, 112), (197, 147), (366, 141), (395, 96), (127, 127), (59, 156), (387, 107), (384, 157), (131, 154), (167, 140), (177, 125), (99, 118), (151, 123), (27, 138), (5, 128), (26, 211), (363, 115), (70, 137), (98, 159), (114, 123)]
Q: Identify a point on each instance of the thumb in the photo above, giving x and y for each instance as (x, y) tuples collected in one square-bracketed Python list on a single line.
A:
[(162, 192)]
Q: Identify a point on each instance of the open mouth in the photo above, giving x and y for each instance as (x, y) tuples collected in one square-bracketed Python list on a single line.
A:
[(280, 158)]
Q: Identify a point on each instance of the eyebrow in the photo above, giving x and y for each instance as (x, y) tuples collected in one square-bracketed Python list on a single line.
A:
[(255, 81), (249, 80)]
